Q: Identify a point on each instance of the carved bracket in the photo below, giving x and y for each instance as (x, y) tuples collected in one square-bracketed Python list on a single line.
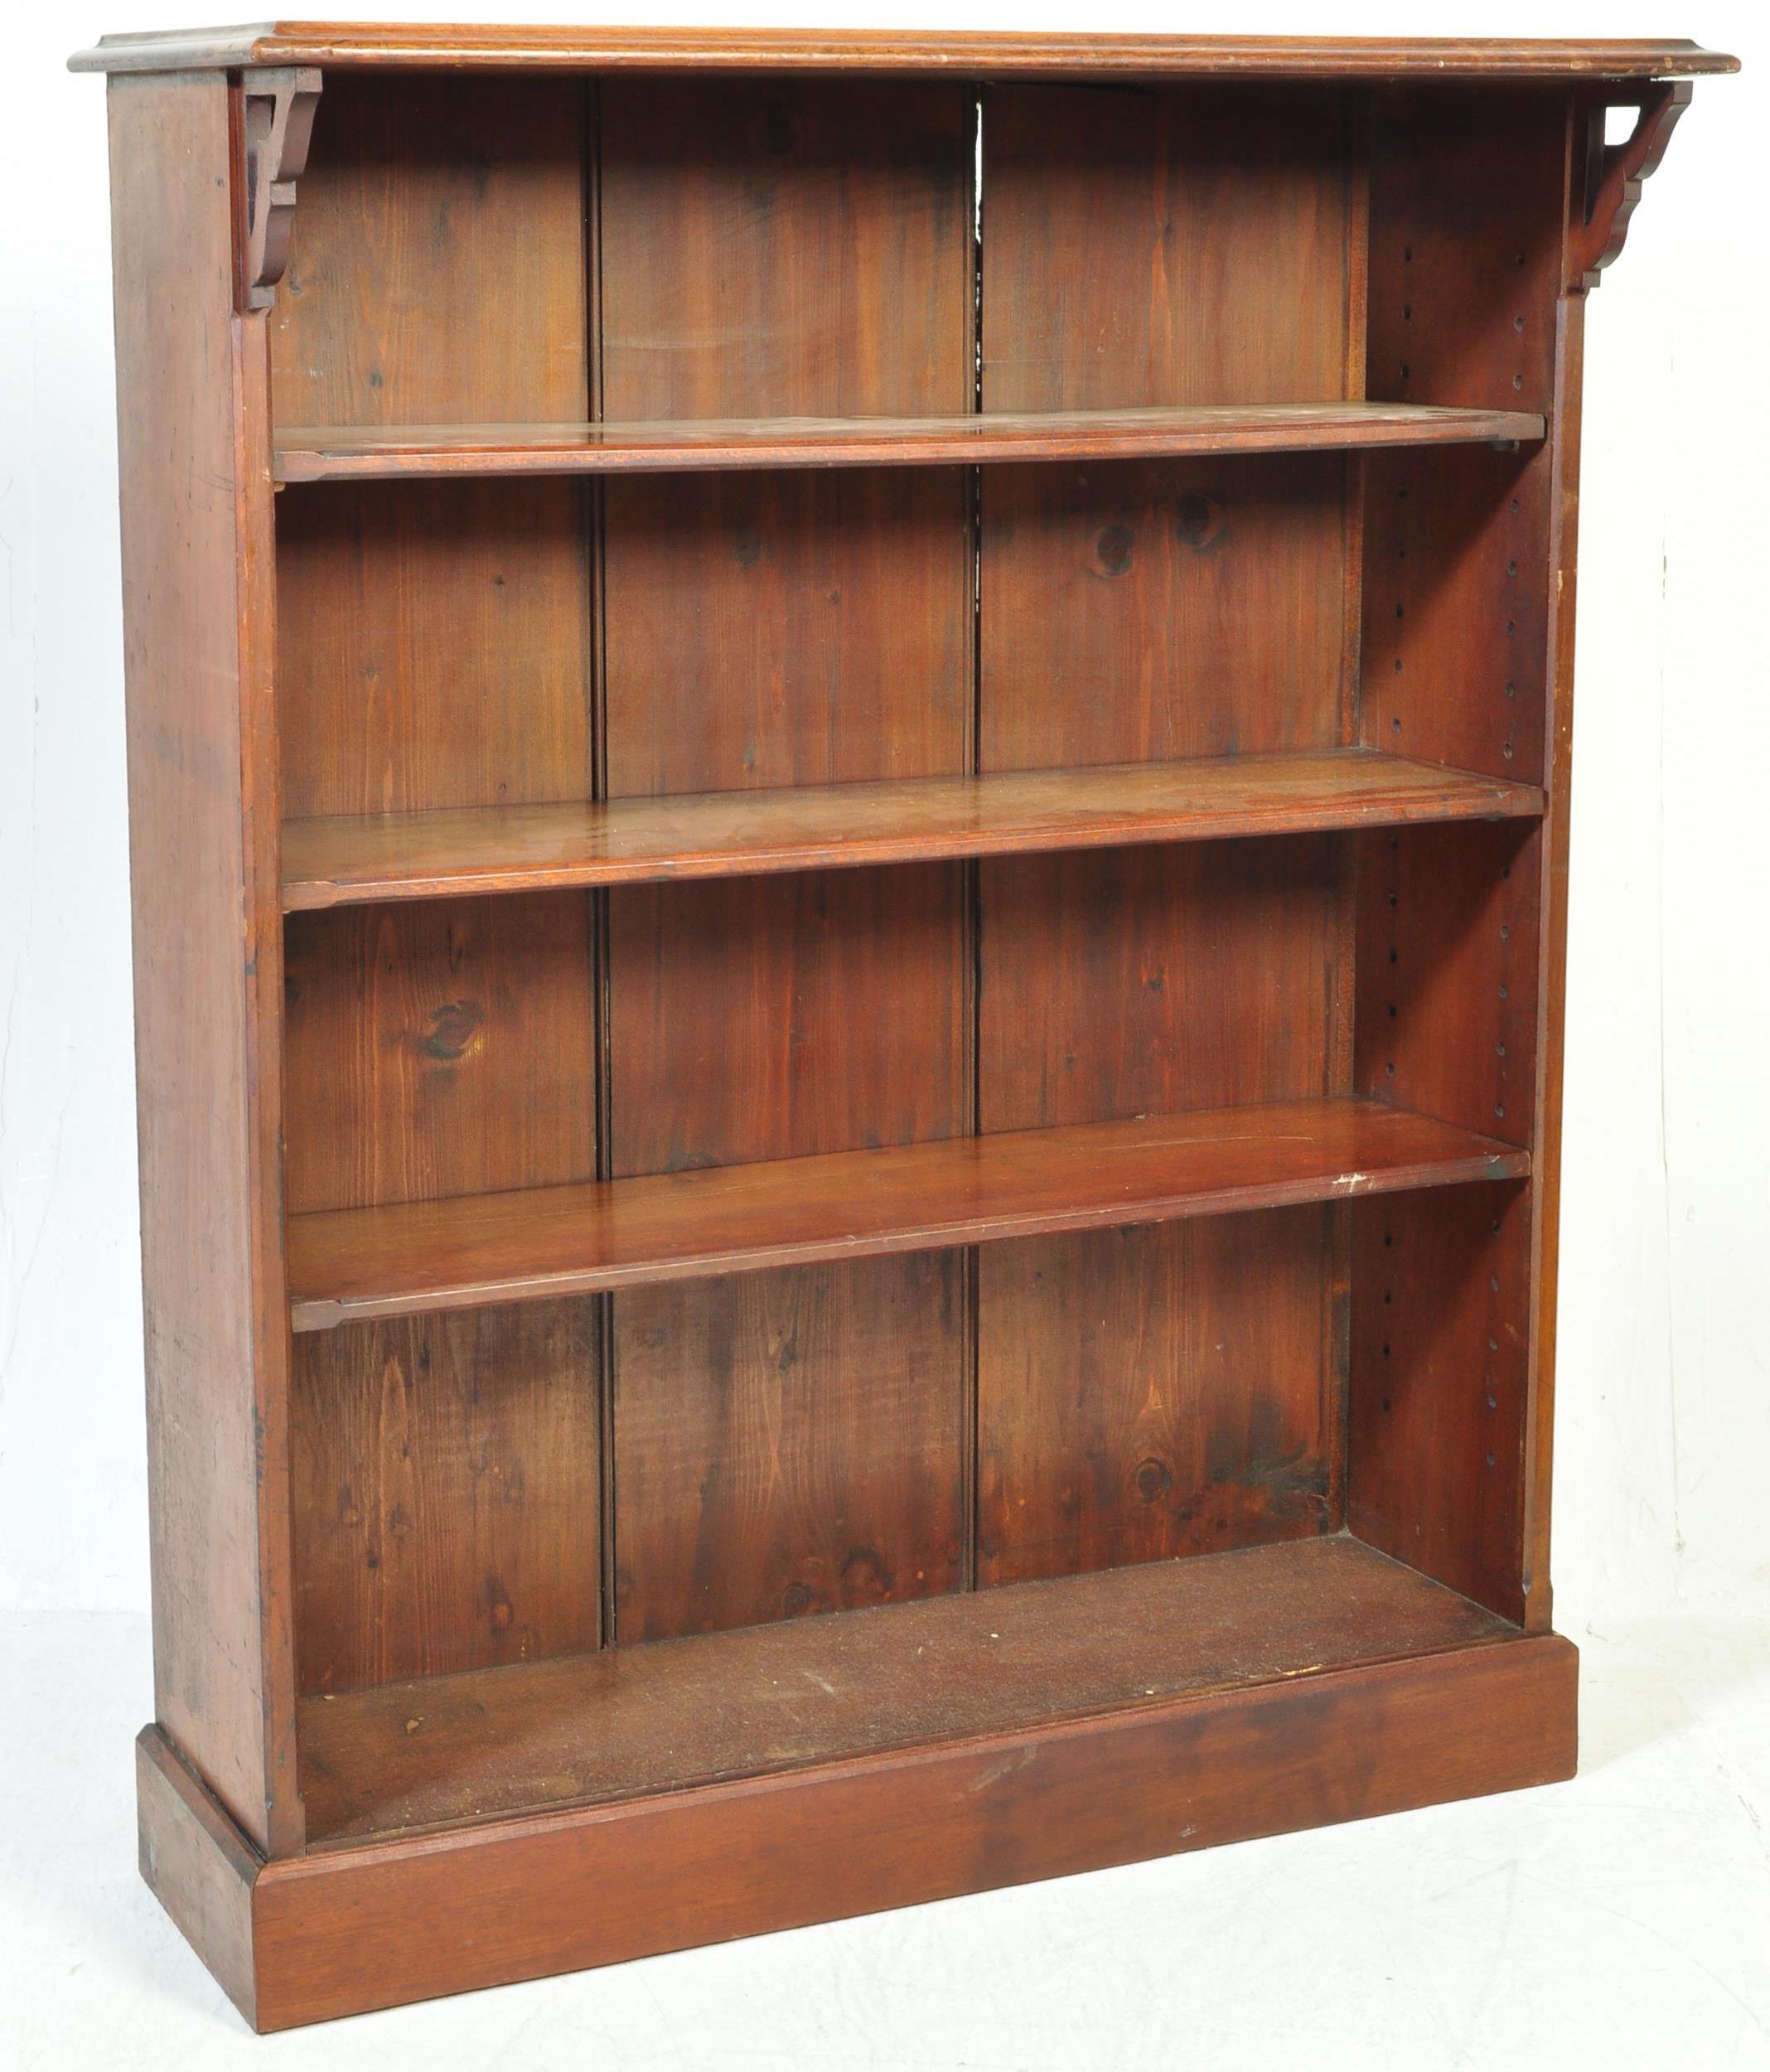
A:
[(1614, 174), (277, 109)]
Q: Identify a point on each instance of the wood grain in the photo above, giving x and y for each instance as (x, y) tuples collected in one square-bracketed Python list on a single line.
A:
[(1465, 216), (309, 453), (1148, 981), (1160, 612), (782, 248), (534, 49), (1021, 737), (772, 630), (434, 646), (1156, 1392), (587, 1732), (348, 860), (1448, 973), (1439, 1387), (198, 1865), (435, 651), (788, 1444), (405, 1259), (1175, 249), (447, 1513), (198, 641), (437, 271), (443, 1049)]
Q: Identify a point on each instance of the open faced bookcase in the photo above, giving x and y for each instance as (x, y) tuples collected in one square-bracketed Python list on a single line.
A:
[(848, 787)]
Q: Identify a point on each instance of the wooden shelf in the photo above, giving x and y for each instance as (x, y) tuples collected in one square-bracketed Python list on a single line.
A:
[(687, 445), (478, 1249), (629, 1722), (329, 862)]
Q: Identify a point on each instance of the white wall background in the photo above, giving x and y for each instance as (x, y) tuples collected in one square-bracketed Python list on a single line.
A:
[(1664, 1391)]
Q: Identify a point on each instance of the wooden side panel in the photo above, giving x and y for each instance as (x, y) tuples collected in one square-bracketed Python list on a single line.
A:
[(1552, 950), (193, 448), (785, 248), (436, 651), (1448, 977), (1465, 225), (352, 1928), (1467, 596), (449, 1516), (1162, 1390), (1440, 1372), (1153, 1392), (1448, 1024), (785, 1443)]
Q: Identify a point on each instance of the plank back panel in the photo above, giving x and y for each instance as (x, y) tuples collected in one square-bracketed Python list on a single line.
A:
[(443, 1047), (452, 1519), (436, 651), (437, 271), (1154, 981), (1145, 247), (434, 646), (780, 1448), (788, 248), (1142, 1393), (445, 1470)]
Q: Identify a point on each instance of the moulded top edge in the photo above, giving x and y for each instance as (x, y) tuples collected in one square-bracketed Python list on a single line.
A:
[(338, 44)]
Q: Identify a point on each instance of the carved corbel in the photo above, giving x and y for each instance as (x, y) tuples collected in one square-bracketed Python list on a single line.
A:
[(1614, 174), (277, 109)]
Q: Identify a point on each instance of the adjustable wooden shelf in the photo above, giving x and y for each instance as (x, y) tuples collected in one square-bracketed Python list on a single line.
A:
[(848, 780)]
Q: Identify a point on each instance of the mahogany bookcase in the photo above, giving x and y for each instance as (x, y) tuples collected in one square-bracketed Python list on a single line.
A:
[(848, 799)]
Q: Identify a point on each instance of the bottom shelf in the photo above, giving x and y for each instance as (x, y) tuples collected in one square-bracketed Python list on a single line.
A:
[(629, 1723)]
